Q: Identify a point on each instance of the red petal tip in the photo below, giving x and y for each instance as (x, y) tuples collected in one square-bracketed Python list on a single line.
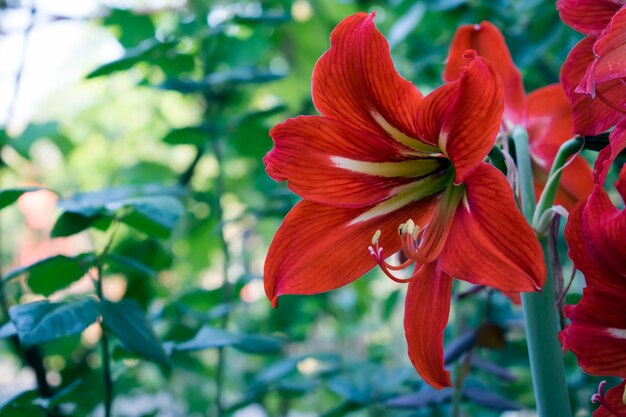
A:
[(274, 301)]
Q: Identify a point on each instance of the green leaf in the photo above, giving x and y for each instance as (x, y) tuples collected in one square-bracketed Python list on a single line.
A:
[(43, 321), (22, 404), (150, 208), (9, 196), (153, 52), (193, 135), (154, 215), (129, 59), (244, 75), (127, 321), (134, 27), (207, 338), (31, 134), (211, 337), (54, 273), (70, 223)]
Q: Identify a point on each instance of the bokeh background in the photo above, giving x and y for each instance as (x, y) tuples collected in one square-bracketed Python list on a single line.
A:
[(145, 124)]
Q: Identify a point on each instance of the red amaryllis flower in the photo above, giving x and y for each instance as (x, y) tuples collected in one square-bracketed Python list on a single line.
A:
[(596, 237), (544, 113), (383, 156), (593, 75)]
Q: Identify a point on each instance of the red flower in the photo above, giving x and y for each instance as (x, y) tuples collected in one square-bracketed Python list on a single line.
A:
[(593, 73), (596, 236), (545, 113), (382, 156)]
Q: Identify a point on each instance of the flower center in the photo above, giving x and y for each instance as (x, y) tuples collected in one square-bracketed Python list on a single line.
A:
[(422, 244)]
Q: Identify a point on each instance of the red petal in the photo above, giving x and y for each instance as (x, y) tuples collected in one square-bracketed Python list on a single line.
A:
[(490, 242), (590, 116), (434, 109), (607, 155), (611, 50), (596, 237), (597, 334), (614, 397), (549, 125), (468, 131), (489, 43), (356, 78), (588, 16), (319, 248), (329, 162), (548, 121), (425, 318)]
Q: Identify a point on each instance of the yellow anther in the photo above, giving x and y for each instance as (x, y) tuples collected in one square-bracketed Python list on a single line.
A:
[(376, 237)]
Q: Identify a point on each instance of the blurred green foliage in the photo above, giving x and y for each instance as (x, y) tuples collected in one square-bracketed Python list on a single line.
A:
[(156, 158)]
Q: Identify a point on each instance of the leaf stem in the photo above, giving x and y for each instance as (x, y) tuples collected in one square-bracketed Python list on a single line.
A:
[(104, 343), (226, 287), (544, 350), (104, 339)]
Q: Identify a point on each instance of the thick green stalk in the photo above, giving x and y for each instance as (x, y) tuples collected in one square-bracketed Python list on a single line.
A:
[(544, 350)]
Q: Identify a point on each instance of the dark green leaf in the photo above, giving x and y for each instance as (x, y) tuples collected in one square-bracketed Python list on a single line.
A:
[(195, 135), (21, 405), (149, 208), (154, 215), (130, 58), (127, 321), (70, 223), (9, 196), (210, 337), (43, 321), (54, 273), (132, 264)]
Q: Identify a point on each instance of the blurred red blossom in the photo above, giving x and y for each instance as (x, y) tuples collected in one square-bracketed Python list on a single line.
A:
[(545, 113)]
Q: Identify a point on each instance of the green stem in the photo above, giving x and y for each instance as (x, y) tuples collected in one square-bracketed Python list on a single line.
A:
[(544, 350), (104, 339), (104, 343), (548, 195)]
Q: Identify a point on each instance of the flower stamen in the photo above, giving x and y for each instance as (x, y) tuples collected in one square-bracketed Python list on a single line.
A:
[(377, 252), (601, 399)]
